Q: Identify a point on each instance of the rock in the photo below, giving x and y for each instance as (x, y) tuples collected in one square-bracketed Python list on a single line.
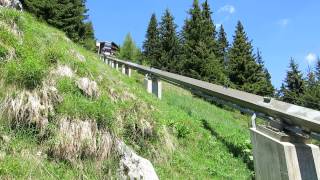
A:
[(11, 4), (2, 155), (64, 71), (88, 87), (132, 166), (78, 55), (5, 139)]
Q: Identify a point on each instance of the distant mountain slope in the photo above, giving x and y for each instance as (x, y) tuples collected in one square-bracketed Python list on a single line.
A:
[(66, 115)]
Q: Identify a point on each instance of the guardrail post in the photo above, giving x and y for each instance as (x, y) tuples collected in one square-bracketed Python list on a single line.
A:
[(127, 70), (116, 65), (281, 156), (123, 69), (157, 87), (148, 83)]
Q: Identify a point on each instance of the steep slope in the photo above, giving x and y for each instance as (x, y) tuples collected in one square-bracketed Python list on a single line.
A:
[(66, 115)]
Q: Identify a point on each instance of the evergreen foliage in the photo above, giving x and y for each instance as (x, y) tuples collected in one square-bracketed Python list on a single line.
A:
[(151, 46), (200, 46), (293, 87), (67, 15), (311, 97), (223, 45), (317, 73), (129, 50), (244, 71), (169, 43), (267, 88)]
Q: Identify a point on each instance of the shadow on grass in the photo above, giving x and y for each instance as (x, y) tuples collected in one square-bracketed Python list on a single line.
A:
[(233, 149)]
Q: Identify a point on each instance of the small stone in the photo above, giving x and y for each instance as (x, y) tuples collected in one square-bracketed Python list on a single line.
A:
[(2, 155), (5, 139)]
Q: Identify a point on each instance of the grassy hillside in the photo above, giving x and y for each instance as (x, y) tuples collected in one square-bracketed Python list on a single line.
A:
[(184, 137)]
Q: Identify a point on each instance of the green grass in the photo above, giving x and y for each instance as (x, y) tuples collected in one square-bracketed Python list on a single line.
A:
[(191, 138)]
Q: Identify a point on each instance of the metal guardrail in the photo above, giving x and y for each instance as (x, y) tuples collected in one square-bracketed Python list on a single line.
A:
[(292, 115)]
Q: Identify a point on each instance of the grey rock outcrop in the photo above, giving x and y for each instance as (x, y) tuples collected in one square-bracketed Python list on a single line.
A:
[(11, 4), (132, 166)]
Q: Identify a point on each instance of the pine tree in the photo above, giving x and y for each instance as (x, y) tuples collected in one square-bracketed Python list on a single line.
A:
[(317, 73), (199, 46), (169, 43), (67, 15), (266, 88), (243, 70), (151, 45), (209, 29), (311, 97), (223, 45), (129, 50), (293, 87)]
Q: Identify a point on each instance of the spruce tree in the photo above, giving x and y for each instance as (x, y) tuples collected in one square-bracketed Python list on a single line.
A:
[(317, 73), (243, 70), (129, 50), (311, 97), (208, 28), (266, 88), (67, 15), (223, 45), (151, 46), (293, 87), (199, 46), (169, 43)]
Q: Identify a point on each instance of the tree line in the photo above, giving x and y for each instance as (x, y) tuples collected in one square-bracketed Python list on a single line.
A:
[(300, 90), (200, 51), (69, 16)]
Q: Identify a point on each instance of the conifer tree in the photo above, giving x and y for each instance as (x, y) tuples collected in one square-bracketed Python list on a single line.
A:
[(129, 50), (151, 46), (266, 88), (311, 97), (208, 28), (199, 46), (293, 87), (243, 70), (223, 45), (317, 73), (67, 15), (169, 43)]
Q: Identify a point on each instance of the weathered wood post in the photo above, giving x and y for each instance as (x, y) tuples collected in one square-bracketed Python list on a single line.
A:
[(282, 156)]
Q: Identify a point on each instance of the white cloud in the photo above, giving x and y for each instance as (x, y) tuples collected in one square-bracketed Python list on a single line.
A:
[(227, 8), (218, 25), (311, 58), (284, 22)]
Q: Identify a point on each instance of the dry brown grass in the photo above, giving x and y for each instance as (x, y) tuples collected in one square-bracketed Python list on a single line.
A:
[(77, 139), (29, 108)]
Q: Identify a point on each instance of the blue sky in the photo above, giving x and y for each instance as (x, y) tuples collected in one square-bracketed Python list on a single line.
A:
[(279, 28)]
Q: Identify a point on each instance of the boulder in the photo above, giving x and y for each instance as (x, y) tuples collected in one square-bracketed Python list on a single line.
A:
[(11, 4), (132, 166), (88, 87)]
